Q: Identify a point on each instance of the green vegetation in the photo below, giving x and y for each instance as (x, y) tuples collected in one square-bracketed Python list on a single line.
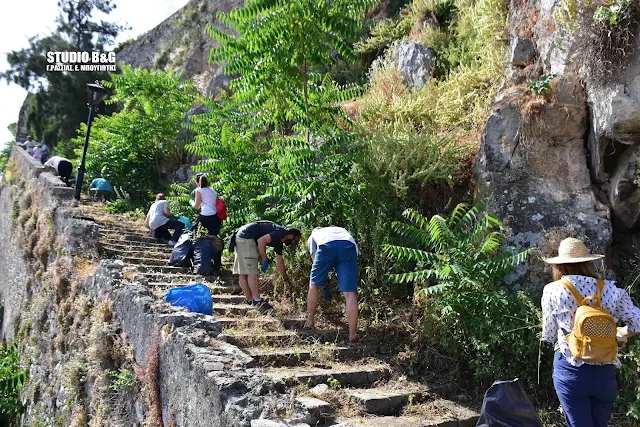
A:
[(541, 85), (123, 379), (12, 378), (460, 263), (127, 146), (453, 106), (605, 34)]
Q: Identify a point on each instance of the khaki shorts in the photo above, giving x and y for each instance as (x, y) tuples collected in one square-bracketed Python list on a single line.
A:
[(246, 261)]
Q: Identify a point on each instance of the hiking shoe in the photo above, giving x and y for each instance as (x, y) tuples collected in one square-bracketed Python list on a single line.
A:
[(263, 305)]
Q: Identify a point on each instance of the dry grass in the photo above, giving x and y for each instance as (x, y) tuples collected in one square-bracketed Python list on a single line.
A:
[(148, 376)]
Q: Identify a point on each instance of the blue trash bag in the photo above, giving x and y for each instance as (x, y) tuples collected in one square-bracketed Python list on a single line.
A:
[(187, 223), (195, 298)]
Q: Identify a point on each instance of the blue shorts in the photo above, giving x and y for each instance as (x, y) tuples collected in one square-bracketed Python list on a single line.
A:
[(341, 255)]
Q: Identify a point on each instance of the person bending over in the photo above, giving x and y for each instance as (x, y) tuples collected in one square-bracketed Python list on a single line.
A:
[(334, 248), (62, 166), (251, 245)]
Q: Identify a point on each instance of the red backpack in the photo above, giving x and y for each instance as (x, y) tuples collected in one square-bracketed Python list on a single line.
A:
[(221, 209)]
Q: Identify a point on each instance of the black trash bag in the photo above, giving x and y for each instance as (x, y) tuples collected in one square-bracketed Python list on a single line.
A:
[(183, 251), (206, 250), (506, 404)]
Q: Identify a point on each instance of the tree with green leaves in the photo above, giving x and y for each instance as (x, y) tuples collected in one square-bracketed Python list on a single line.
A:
[(279, 47), (12, 378), (126, 147), (60, 101)]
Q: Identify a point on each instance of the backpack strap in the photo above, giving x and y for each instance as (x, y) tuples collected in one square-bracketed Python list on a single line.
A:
[(582, 301), (567, 284)]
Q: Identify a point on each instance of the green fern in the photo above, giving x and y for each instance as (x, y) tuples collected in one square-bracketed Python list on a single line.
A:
[(464, 252)]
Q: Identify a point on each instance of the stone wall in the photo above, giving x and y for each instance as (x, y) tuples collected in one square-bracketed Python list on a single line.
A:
[(79, 322)]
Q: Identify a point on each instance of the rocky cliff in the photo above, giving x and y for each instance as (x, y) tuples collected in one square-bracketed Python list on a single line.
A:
[(182, 43), (564, 162)]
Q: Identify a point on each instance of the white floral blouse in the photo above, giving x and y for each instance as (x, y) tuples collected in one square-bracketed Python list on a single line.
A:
[(559, 307)]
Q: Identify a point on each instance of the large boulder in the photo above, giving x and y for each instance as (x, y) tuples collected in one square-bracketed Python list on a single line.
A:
[(413, 61), (532, 169), (624, 193)]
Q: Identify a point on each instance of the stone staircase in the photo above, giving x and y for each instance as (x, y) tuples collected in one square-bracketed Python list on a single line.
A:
[(340, 385)]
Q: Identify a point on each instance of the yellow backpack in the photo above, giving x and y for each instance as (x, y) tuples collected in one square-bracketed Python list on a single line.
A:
[(593, 338)]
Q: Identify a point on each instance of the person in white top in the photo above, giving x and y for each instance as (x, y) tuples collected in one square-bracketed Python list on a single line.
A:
[(205, 202), (334, 247), (62, 166), (586, 390), (30, 145), (159, 221)]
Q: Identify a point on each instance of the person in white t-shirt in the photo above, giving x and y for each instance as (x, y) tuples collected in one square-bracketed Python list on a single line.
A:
[(159, 221), (62, 166), (334, 247), (30, 145), (205, 202)]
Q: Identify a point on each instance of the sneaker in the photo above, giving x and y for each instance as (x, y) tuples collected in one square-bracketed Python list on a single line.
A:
[(263, 305), (249, 302)]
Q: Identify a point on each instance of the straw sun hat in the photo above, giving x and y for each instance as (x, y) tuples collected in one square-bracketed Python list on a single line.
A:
[(572, 251)]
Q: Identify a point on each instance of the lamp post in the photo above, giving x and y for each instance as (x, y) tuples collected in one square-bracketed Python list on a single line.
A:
[(97, 94)]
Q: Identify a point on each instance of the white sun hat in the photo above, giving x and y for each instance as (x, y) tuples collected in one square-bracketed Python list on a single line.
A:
[(571, 251)]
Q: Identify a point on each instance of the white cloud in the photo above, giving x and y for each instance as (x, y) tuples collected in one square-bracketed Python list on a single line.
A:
[(20, 20)]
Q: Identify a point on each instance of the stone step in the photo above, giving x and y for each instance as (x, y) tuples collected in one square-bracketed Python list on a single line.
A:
[(176, 278), (216, 289), (454, 416), (229, 299), (170, 269), (260, 323), (123, 251), (294, 356), (283, 338), (120, 240), (233, 309), (391, 398), (354, 376), (131, 237)]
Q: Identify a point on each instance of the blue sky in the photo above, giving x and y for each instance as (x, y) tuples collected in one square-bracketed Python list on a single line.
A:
[(20, 20)]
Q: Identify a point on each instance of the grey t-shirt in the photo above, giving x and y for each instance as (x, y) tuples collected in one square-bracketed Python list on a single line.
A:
[(156, 215)]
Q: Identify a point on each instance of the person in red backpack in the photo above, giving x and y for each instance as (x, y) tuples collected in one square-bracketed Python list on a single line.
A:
[(205, 202), (586, 389)]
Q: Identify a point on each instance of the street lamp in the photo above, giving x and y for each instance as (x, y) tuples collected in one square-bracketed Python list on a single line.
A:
[(97, 94)]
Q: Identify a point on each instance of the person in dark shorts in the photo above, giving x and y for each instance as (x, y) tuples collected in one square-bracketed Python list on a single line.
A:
[(251, 241), (334, 248), (62, 166)]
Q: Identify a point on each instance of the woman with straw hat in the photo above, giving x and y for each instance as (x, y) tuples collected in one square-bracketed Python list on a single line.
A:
[(586, 390)]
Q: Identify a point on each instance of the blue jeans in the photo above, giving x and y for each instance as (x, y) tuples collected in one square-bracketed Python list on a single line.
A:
[(586, 393), (163, 231), (341, 255)]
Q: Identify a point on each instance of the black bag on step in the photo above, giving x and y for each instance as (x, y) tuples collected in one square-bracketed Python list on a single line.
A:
[(506, 404), (203, 256), (183, 251)]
